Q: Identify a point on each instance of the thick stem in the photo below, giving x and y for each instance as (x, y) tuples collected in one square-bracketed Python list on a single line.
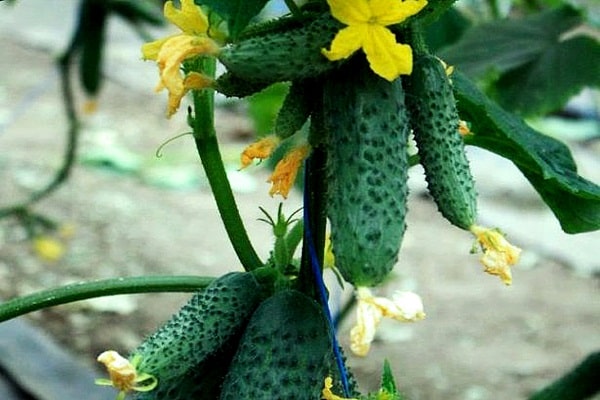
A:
[(107, 287), (208, 150)]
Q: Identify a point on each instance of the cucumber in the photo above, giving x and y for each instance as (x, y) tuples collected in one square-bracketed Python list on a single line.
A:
[(367, 171), (208, 321), (284, 353), (295, 110), (92, 26), (286, 55), (231, 85), (435, 123)]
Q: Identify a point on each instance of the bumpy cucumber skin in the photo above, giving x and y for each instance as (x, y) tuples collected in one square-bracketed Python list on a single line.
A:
[(367, 171), (284, 352), (208, 321), (435, 120), (283, 56), (295, 110)]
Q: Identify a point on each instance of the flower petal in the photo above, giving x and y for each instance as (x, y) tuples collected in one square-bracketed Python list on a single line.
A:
[(150, 50), (190, 18), (286, 170), (362, 334), (389, 12), (387, 58), (261, 149), (350, 12), (346, 42)]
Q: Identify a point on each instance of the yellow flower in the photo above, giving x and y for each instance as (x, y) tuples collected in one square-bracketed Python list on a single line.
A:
[(404, 306), (284, 175), (123, 374), (48, 248), (367, 21), (260, 149), (170, 52), (327, 394), (498, 254)]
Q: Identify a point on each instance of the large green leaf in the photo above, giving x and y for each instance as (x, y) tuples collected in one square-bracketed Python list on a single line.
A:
[(503, 45), (545, 162), (547, 83), (538, 60), (237, 13)]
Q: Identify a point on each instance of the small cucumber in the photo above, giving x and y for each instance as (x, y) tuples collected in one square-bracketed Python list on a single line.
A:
[(435, 120), (367, 171), (283, 55), (284, 353), (295, 110), (92, 26), (208, 321)]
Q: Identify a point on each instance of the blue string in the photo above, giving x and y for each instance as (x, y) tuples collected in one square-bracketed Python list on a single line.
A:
[(316, 270)]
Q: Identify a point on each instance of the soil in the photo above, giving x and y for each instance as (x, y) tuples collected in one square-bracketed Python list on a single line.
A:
[(134, 214)]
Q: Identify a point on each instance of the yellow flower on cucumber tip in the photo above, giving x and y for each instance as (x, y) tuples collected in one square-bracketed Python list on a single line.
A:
[(260, 150), (366, 29), (286, 170), (170, 52), (123, 374), (498, 254), (327, 394), (404, 307)]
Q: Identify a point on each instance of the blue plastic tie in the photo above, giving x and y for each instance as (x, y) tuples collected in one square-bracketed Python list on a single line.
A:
[(316, 269)]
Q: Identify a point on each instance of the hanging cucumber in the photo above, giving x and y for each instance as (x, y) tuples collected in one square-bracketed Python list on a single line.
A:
[(286, 55), (435, 123), (284, 353), (92, 27), (200, 329), (367, 171)]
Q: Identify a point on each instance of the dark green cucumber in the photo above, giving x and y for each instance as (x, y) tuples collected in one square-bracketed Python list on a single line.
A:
[(367, 171), (296, 108), (435, 120), (92, 27), (208, 321), (284, 352), (283, 55)]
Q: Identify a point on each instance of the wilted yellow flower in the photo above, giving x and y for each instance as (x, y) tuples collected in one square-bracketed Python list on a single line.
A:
[(367, 22), (286, 170), (463, 128), (404, 306), (123, 374), (170, 52), (498, 254), (327, 394), (260, 149)]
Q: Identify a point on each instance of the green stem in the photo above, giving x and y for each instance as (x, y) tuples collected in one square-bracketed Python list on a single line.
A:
[(292, 6), (208, 150), (21, 210), (314, 204), (106, 287)]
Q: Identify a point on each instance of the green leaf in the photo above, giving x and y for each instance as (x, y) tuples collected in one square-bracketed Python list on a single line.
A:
[(545, 162), (547, 83), (507, 44), (237, 13)]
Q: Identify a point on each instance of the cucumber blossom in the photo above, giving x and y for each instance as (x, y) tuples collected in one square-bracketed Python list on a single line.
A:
[(202, 326), (435, 121), (284, 353), (283, 55), (367, 171)]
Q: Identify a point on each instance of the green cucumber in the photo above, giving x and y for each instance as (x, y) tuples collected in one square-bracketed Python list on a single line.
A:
[(435, 120), (92, 26), (285, 351), (283, 55), (295, 110), (208, 321), (367, 171)]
